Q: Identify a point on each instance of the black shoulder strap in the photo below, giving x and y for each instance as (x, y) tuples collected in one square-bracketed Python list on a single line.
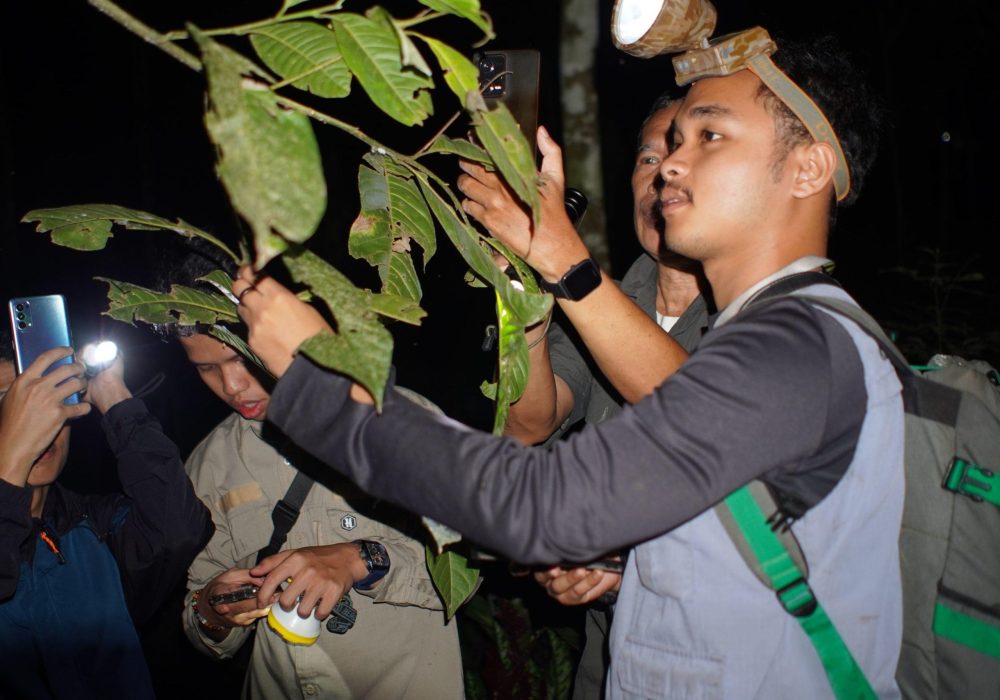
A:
[(285, 513)]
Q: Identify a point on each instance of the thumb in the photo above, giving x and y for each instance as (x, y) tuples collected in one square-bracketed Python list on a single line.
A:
[(552, 160)]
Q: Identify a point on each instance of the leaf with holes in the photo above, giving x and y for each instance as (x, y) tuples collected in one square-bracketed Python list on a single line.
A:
[(371, 50), (268, 157), (89, 226), (361, 348), (306, 54), (182, 305)]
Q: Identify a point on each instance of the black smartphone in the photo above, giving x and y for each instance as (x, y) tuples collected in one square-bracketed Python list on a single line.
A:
[(39, 324), (511, 77), (244, 592)]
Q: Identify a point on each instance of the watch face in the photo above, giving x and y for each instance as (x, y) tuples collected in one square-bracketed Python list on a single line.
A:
[(379, 557), (582, 280)]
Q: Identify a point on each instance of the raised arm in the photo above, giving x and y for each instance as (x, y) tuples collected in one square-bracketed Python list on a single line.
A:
[(605, 318)]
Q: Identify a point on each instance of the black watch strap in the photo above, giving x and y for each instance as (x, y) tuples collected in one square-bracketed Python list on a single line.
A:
[(578, 282)]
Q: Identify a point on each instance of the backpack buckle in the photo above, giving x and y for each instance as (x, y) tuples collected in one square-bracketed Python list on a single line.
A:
[(968, 479), (797, 598)]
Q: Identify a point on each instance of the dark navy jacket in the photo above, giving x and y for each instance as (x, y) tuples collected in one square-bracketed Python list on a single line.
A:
[(66, 627)]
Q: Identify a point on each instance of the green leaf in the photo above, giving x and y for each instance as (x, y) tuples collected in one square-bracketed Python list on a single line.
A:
[(361, 347), (371, 50), (398, 307), (560, 669), (513, 366), (525, 308), (402, 280), (305, 53), (461, 148), (496, 128), (455, 579), (182, 305), (238, 344), (514, 157), (441, 535), (460, 74), (410, 55), (269, 161), (88, 226), (468, 9)]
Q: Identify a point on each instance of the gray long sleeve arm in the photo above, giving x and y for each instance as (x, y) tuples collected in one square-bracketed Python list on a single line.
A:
[(778, 392)]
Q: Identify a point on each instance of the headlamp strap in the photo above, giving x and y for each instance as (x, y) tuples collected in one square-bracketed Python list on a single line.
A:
[(809, 114)]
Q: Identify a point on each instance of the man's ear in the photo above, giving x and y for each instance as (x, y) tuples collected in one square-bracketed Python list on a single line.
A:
[(814, 165)]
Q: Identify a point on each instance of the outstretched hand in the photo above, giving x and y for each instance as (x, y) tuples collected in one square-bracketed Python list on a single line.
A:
[(551, 247)]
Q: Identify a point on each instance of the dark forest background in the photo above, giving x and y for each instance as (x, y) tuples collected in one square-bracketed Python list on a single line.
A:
[(89, 113)]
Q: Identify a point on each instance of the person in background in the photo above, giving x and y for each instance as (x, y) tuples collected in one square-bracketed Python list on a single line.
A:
[(79, 572), (564, 388)]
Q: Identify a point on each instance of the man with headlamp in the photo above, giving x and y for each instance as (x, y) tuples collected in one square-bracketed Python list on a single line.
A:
[(779, 392)]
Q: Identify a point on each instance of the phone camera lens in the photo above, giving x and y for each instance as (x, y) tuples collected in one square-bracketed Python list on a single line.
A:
[(19, 307), (22, 325)]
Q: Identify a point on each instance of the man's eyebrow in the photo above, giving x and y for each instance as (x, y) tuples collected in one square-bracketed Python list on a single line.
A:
[(710, 110)]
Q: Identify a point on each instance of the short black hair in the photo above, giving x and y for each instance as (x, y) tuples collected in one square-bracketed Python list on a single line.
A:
[(662, 101), (185, 262), (825, 71)]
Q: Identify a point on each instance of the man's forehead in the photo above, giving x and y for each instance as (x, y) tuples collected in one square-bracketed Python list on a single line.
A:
[(728, 96), (203, 348)]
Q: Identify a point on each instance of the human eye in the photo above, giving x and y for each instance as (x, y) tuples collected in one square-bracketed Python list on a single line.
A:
[(709, 135), (648, 158), (204, 369)]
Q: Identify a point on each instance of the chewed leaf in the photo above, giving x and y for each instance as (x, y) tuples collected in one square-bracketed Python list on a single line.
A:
[(361, 348), (269, 161), (305, 53), (182, 305), (89, 226)]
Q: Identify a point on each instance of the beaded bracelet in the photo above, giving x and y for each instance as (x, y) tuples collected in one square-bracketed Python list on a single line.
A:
[(202, 620)]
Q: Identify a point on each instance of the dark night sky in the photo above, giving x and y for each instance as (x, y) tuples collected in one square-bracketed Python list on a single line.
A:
[(92, 114)]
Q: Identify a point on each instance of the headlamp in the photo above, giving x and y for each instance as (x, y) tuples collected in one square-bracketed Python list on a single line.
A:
[(647, 28), (97, 357)]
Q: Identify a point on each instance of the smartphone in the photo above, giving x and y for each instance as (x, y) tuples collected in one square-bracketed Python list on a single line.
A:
[(244, 592), (511, 77), (39, 324)]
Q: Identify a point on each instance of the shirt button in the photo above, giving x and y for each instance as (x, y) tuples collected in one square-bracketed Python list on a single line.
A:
[(310, 689)]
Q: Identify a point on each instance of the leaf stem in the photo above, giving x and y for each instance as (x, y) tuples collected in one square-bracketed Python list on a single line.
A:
[(424, 16), (146, 32), (317, 13)]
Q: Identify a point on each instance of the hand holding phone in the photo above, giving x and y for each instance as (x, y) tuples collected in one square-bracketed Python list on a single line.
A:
[(40, 324), (244, 592)]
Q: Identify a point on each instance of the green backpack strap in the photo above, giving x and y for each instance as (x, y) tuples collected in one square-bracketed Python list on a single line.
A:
[(795, 595)]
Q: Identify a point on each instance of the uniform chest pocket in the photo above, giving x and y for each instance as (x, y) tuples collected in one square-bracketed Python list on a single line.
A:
[(250, 529)]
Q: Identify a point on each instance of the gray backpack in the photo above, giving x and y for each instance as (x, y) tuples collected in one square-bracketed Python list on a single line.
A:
[(950, 538)]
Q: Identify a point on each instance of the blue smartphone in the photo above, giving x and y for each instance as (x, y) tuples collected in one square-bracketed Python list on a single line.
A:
[(40, 324)]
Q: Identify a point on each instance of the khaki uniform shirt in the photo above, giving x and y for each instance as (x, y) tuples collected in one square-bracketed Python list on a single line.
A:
[(399, 647)]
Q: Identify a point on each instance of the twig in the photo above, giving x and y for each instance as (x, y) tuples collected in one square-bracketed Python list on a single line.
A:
[(146, 32)]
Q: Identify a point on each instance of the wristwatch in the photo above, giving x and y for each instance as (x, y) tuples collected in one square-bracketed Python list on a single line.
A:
[(578, 282), (376, 558)]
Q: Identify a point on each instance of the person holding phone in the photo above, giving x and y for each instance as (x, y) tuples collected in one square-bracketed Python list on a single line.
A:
[(79, 572)]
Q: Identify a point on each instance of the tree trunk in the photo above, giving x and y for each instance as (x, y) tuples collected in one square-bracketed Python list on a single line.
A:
[(582, 142)]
